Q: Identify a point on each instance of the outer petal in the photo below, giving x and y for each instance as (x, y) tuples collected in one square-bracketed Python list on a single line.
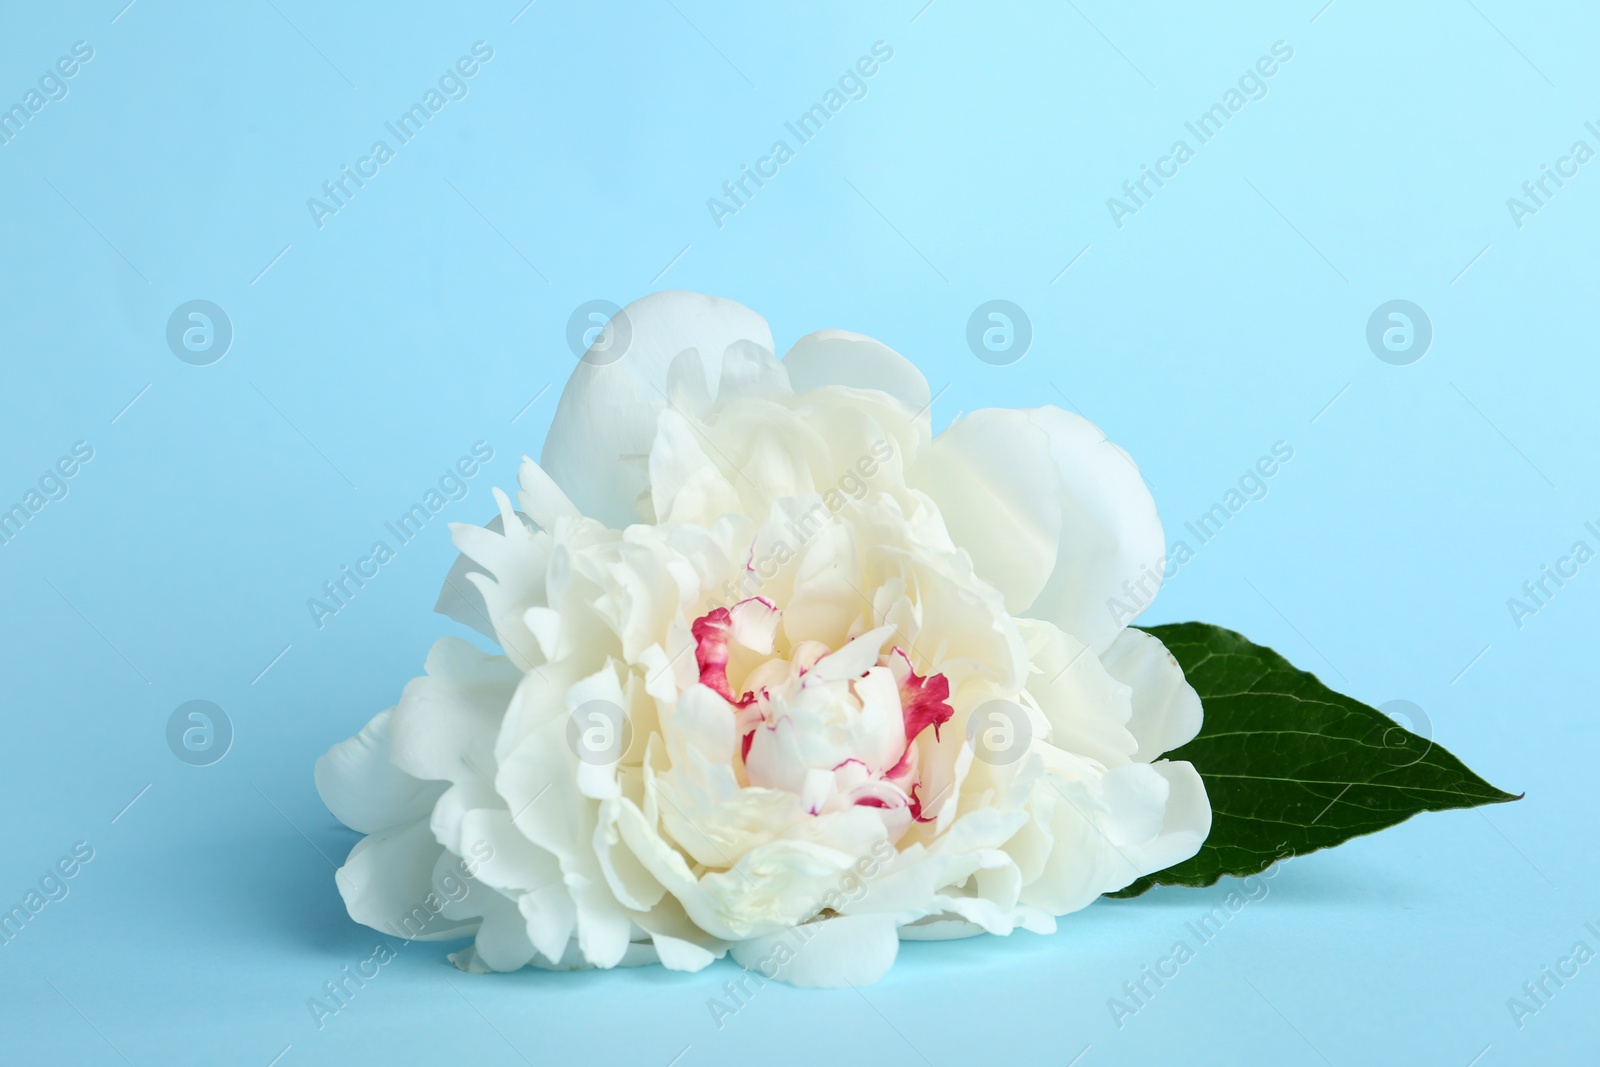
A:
[(1186, 819), (449, 717), (1053, 515), (541, 502), (679, 955), (541, 498), (364, 789), (935, 928), (1110, 533), (995, 482), (1100, 835), (1166, 709), (1087, 706), (607, 413), (846, 950), (837, 357), (459, 598), (388, 880)]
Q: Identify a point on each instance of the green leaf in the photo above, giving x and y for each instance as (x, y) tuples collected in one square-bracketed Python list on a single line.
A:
[(1291, 766)]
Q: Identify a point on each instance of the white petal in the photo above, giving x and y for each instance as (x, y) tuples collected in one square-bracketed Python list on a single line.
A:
[(1087, 706), (502, 940), (363, 788), (680, 955), (935, 928), (851, 661), (459, 599), (837, 357), (685, 484), (754, 624), (1053, 514), (603, 925), (996, 484), (1104, 833), (690, 389), (519, 561), (1111, 553), (775, 760), (1166, 709), (1080, 861), (447, 720), (849, 950), (600, 727), (563, 822), (387, 883), (629, 880), (702, 721), (1185, 822), (500, 857), (751, 372), (826, 577), (551, 918), (541, 498), (607, 412)]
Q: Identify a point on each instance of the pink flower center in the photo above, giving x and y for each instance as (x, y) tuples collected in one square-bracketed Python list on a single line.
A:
[(837, 727)]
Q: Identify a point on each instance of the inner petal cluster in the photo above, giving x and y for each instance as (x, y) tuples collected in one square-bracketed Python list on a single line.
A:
[(835, 727)]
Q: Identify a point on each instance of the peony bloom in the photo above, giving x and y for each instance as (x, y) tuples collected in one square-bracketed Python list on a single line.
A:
[(778, 674)]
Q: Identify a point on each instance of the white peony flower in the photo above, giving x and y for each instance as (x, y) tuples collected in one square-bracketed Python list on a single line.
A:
[(779, 674)]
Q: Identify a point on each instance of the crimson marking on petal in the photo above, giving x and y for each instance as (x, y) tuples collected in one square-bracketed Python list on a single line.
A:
[(711, 632), (872, 802), (916, 806), (744, 746), (924, 702), (905, 761), (711, 650)]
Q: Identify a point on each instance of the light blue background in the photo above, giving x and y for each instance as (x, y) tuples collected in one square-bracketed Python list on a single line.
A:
[(1224, 317)]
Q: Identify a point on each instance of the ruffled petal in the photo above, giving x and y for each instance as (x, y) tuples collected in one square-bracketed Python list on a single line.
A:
[(1054, 516), (848, 950), (1185, 820), (606, 418), (541, 498), (445, 725), (387, 884), (1166, 709), (461, 600), (995, 482), (1110, 557), (1101, 832), (838, 357), (1087, 706), (363, 788)]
